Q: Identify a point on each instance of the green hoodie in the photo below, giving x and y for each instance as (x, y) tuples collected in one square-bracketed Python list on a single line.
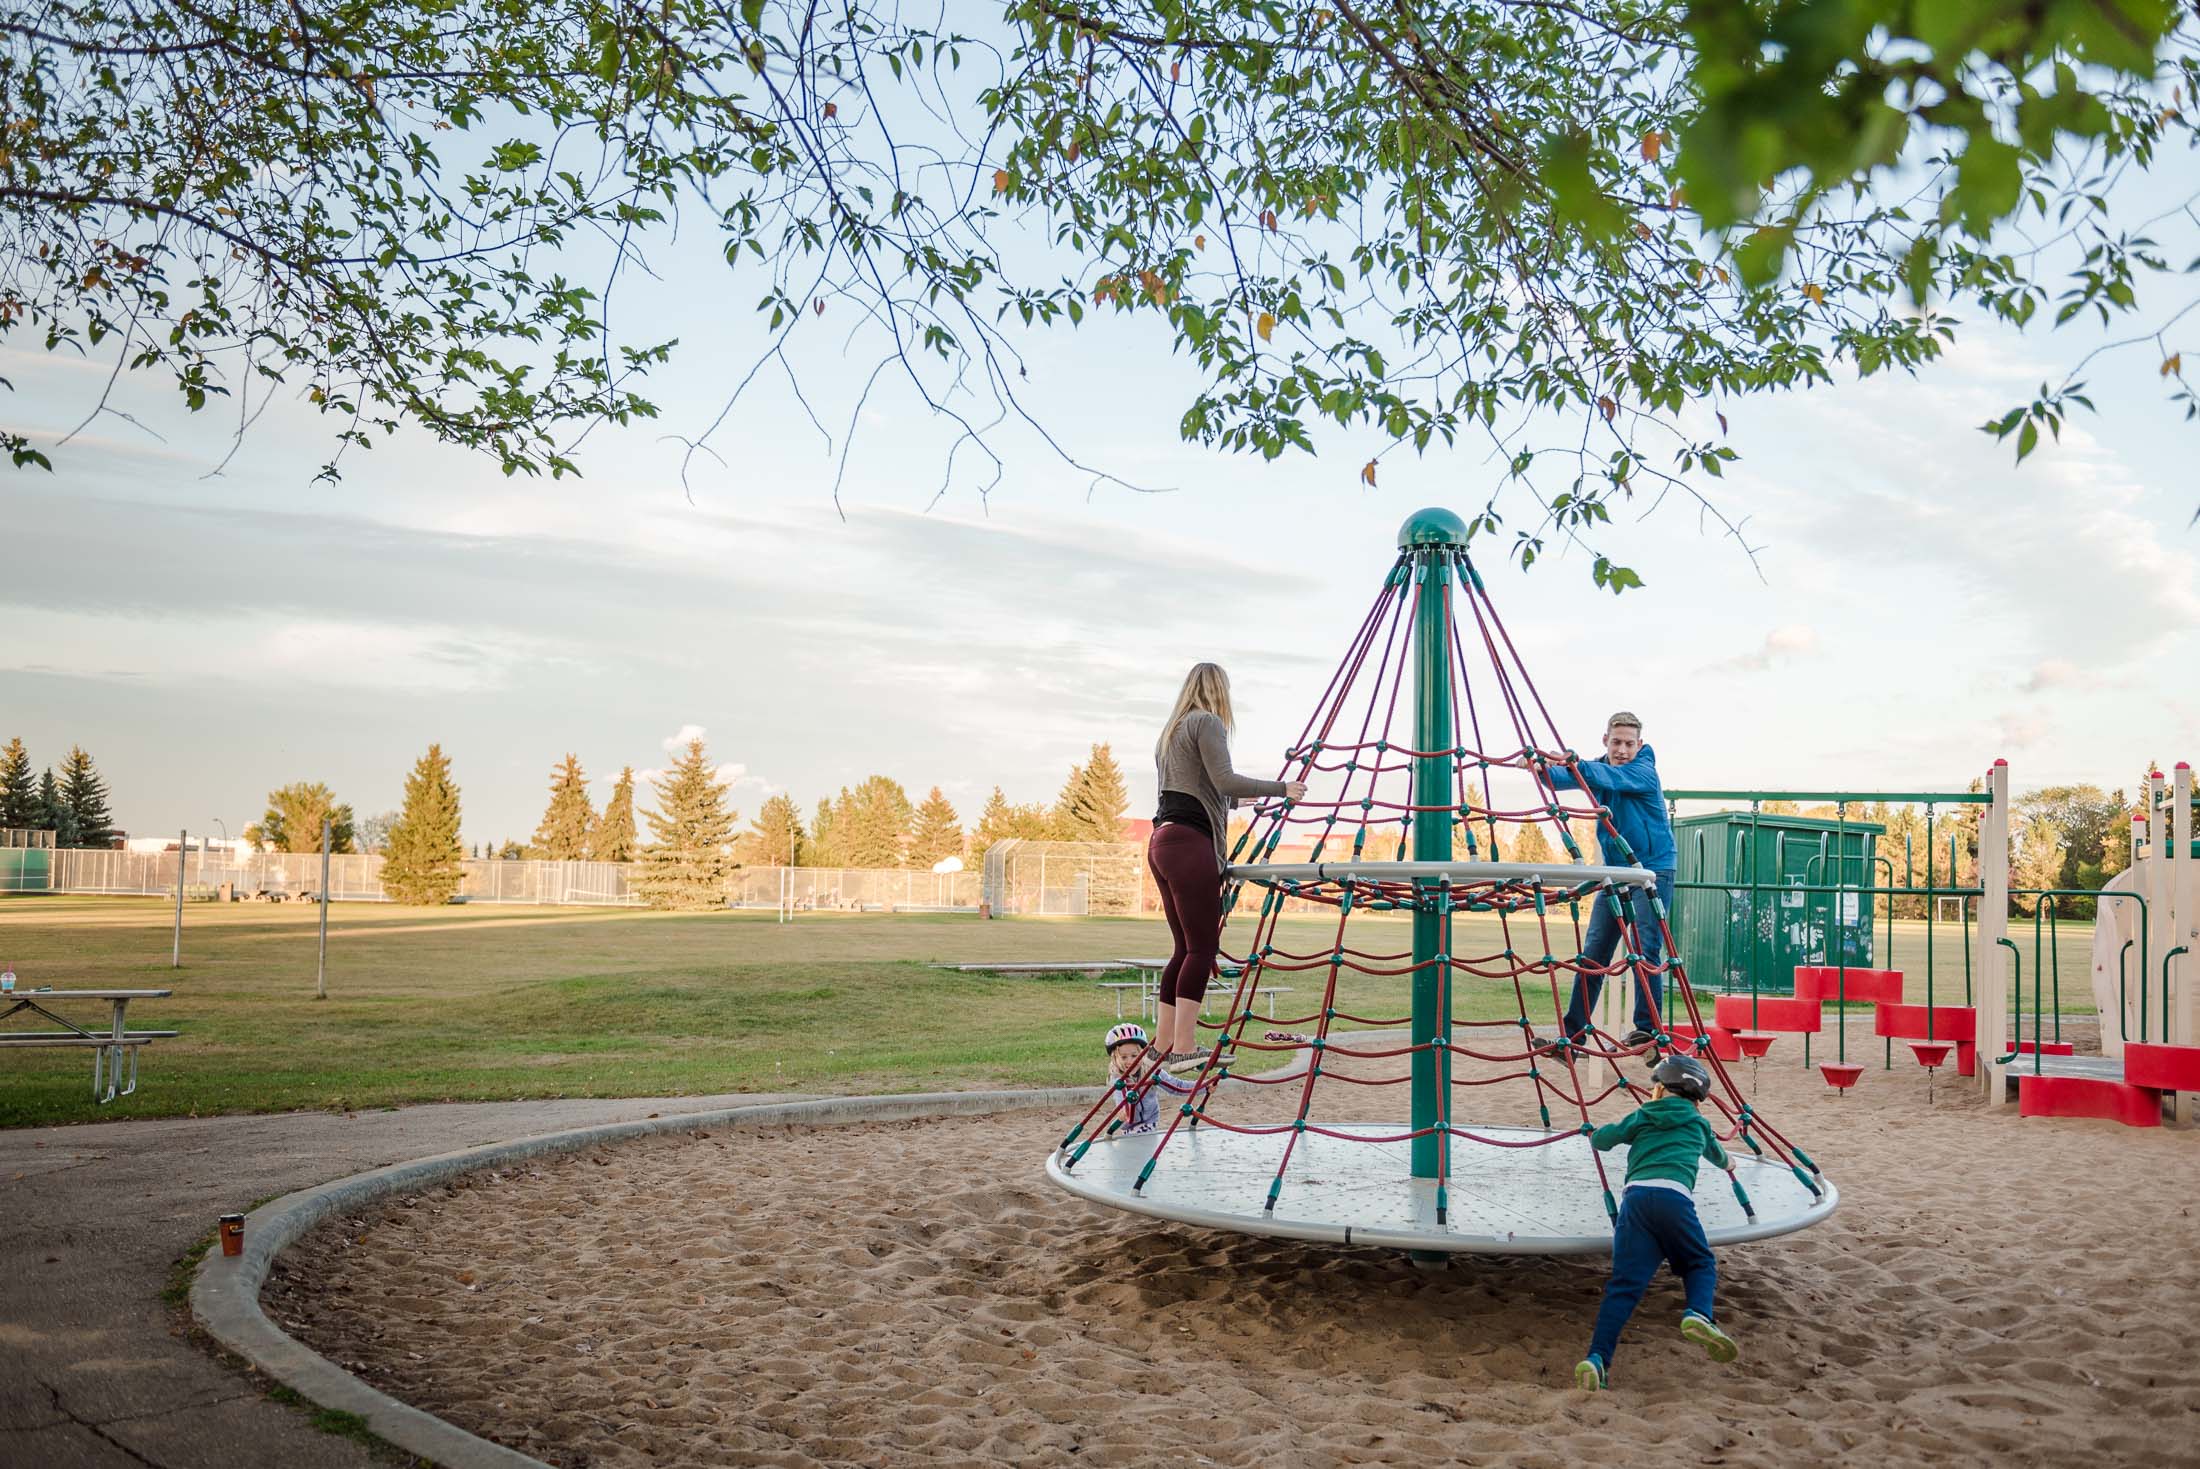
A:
[(1664, 1139)]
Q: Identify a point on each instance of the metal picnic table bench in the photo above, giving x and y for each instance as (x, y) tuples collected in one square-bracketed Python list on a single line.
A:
[(108, 1046), (1148, 986)]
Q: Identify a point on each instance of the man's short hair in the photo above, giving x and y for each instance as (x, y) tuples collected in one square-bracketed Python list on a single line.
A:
[(1623, 717)]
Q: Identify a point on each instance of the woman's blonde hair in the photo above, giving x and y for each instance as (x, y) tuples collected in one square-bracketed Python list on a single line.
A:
[(1205, 687)]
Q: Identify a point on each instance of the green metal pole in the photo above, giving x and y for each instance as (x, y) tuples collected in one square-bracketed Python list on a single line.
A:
[(1431, 537)]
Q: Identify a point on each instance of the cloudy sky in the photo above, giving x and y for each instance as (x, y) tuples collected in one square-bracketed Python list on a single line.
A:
[(1917, 606)]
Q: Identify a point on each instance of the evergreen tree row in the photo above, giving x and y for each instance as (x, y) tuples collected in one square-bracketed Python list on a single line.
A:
[(74, 808)]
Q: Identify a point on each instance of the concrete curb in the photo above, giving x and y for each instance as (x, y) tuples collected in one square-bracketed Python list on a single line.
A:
[(225, 1292)]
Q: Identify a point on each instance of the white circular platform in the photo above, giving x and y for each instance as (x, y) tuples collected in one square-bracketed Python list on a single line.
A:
[(1503, 1201)]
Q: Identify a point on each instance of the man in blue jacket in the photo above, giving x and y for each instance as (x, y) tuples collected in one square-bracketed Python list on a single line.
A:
[(1625, 782)]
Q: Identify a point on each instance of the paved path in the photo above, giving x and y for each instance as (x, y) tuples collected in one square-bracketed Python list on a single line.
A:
[(93, 1372)]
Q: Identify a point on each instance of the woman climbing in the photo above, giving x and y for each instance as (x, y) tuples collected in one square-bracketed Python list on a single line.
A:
[(1198, 787)]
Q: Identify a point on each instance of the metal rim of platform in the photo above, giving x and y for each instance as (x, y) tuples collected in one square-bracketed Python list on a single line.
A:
[(1460, 874), (1543, 1200)]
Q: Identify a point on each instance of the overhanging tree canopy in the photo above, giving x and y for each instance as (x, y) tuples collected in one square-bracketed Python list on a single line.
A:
[(1565, 233)]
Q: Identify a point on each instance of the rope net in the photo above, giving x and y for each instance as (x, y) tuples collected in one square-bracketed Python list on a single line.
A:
[(1520, 819)]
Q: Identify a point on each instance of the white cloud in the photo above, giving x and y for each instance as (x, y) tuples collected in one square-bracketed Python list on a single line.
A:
[(2022, 731), (428, 658), (677, 742), (2051, 673), (1781, 645)]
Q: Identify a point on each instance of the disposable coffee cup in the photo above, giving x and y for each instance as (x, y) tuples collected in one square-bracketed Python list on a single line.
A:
[(232, 1234)]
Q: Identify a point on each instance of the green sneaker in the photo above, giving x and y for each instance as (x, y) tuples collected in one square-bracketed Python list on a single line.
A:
[(1589, 1373), (1704, 1333)]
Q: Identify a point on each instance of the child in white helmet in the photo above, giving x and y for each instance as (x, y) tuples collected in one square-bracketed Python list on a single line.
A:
[(1125, 1043)]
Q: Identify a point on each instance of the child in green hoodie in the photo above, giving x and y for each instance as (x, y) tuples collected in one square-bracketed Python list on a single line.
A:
[(1665, 1140)]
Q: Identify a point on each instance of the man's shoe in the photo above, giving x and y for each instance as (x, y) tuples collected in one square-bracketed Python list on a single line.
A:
[(1589, 1373), (1702, 1331), (1639, 1037)]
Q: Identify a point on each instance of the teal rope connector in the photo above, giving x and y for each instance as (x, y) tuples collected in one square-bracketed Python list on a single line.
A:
[(1587, 1131), (1145, 1173), (1074, 1134), (1540, 1107), (1807, 1181), (1275, 1190), (1813, 1167), (1741, 1197), (1611, 1209), (1443, 1203), (1078, 1156), (1298, 1124)]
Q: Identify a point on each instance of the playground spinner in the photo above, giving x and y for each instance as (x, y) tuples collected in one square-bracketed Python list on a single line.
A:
[(1407, 817)]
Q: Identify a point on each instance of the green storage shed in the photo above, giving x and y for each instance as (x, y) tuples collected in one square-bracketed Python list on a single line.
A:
[(1726, 932)]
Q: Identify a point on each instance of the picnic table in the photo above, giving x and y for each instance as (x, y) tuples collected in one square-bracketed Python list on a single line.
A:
[(1148, 985), (108, 1046)]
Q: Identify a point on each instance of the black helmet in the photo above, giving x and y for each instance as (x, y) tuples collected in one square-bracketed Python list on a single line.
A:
[(1684, 1076)]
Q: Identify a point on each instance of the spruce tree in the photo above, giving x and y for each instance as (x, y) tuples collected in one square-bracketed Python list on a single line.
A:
[(19, 805), (53, 816), (993, 823), (822, 849), (85, 795), (774, 838), (1063, 823), (871, 825), (612, 839), (563, 834), (1096, 800), (937, 834), (689, 863), (422, 864)]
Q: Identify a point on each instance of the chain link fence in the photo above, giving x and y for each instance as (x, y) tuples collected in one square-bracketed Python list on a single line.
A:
[(1018, 877), (1068, 878), (855, 890), (356, 878)]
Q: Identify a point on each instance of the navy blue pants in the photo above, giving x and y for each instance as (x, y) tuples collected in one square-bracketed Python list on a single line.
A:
[(1603, 942), (1655, 1224)]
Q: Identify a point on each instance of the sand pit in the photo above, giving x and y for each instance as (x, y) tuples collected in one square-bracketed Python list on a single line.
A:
[(1990, 1288)]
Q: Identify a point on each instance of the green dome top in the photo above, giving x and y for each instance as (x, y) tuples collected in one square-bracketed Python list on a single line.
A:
[(1434, 526)]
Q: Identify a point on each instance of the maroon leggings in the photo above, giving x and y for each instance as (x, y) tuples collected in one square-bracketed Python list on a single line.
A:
[(1182, 859)]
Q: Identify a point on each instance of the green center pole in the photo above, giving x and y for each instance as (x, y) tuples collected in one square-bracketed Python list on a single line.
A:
[(1430, 537)]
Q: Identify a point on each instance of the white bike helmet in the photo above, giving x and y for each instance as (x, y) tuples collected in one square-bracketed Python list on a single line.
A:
[(1128, 1033)]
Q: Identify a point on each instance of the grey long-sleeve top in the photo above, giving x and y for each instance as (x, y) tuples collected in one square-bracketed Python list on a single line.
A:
[(1196, 761)]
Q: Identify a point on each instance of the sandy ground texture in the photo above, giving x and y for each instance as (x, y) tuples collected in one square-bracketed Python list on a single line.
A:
[(1991, 1288)]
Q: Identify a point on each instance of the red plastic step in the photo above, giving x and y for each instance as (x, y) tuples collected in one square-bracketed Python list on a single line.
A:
[(1827, 983), (1841, 1075), (1736, 1012), (1958, 1023), (1932, 1054), (1907, 1023), (2087, 1096), (2168, 1068)]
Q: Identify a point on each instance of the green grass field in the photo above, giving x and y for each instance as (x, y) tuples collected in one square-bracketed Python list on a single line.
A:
[(478, 1003)]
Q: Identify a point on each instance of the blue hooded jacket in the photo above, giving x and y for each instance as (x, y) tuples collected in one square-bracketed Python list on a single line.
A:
[(1637, 804)]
